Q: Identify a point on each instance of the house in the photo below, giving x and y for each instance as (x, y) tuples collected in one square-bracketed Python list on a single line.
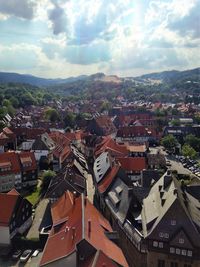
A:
[(7, 140), (15, 216), (109, 145), (66, 180), (17, 170), (24, 134), (156, 161), (133, 166), (162, 226), (137, 134), (10, 172), (28, 169), (137, 149), (61, 150), (101, 125), (123, 120), (80, 236), (43, 146), (180, 132), (106, 170)]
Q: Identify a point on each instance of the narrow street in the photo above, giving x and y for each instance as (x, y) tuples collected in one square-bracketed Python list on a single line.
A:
[(90, 188)]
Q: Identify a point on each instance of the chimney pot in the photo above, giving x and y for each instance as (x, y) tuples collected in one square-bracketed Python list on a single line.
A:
[(89, 226), (73, 232)]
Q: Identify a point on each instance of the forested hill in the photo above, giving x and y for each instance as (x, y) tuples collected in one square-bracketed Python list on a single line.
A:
[(173, 76), (170, 77), (6, 77)]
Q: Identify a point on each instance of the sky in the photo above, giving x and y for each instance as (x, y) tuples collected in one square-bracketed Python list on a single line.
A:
[(63, 38)]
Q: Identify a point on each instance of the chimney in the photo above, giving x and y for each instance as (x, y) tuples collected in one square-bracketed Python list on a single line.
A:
[(161, 194), (163, 201), (89, 227), (73, 232), (130, 191), (175, 192)]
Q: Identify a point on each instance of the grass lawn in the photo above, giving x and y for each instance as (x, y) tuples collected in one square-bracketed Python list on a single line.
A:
[(34, 196)]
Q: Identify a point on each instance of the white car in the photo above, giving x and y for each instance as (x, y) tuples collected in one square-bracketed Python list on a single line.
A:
[(35, 253), (25, 255)]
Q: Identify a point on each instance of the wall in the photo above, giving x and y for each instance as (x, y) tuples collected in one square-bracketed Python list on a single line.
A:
[(4, 235)]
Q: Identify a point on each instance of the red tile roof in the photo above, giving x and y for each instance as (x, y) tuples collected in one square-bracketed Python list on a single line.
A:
[(28, 133), (83, 222), (108, 144), (136, 131), (133, 163), (57, 210), (7, 205), (107, 180), (11, 159), (28, 157), (105, 123)]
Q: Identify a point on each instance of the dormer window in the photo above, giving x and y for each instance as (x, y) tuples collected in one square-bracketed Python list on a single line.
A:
[(189, 253), (173, 222)]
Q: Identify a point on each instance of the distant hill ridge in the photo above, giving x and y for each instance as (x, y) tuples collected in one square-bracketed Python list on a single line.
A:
[(165, 76)]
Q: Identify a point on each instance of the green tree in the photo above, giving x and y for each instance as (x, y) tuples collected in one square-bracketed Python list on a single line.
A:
[(14, 101), (188, 151), (2, 125), (6, 103), (193, 141), (46, 179), (169, 142), (175, 122), (105, 106), (52, 115), (69, 119)]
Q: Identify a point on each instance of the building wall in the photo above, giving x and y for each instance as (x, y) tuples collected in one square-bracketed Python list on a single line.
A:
[(4, 235), (7, 182), (154, 257), (40, 153), (67, 261)]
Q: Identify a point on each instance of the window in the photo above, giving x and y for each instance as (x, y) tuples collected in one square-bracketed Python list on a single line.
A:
[(174, 264), (183, 252), (178, 251), (166, 235), (189, 253), (181, 241), (172, 250), (161, 234), (173, 222), (160, 244), (161, 263), (155, 244)]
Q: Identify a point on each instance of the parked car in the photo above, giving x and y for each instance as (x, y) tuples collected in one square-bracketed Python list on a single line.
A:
[(16, 254), (35, 253), (25, 255)]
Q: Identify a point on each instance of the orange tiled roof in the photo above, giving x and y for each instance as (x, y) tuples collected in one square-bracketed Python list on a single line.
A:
[(83, 222), (7, 205), (107, 180), (11, 159), (133, 163)]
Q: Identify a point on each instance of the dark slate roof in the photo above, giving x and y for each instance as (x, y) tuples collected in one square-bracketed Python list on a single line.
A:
[(149, 177), (182, 130), (118, 199), (194, 190), (67, 179)]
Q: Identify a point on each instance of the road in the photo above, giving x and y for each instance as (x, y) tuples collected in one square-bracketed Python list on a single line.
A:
[(90, 188), (32, 262), (39, 214)]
